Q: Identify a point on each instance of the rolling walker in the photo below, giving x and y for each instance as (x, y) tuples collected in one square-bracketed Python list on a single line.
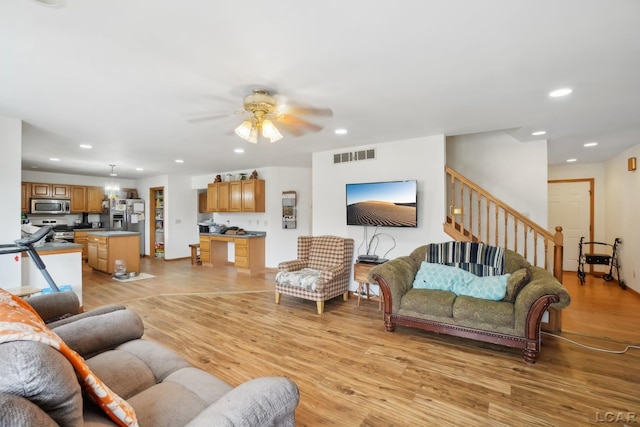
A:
[(601, 259)]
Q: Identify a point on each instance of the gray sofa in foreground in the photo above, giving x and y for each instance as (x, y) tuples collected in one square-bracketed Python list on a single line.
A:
[(39, 387), (513, 321)]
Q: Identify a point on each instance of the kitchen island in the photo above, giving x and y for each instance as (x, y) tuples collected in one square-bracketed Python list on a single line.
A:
[(105, 247), (80, 236), (63, 262), (249, 252)]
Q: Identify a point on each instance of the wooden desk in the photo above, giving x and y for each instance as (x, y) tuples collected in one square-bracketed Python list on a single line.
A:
[(360, 272), (249, 251)]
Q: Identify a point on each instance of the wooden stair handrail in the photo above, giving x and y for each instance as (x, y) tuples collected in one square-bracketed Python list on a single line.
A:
[(458, 230)]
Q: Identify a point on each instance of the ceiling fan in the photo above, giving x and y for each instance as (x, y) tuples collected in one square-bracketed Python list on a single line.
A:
[(263, 109)]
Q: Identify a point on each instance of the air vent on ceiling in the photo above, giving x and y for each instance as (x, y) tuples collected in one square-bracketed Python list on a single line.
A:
[(353, 156)]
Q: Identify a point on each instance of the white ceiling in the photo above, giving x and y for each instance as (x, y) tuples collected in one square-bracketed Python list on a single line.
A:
[(123, 75)]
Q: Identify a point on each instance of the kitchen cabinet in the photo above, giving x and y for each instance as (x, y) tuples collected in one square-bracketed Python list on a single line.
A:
[(236, 196), (205, 249), (218, 197), (86, 199), (202, 203), (253, 198), (25, 191), (54, 191), (83, 198), (95, 196), (81, 237), (60, 191), (78, 198), (105, 247)]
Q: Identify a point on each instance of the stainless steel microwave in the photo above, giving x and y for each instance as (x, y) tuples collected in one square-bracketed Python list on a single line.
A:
[(50, 206)]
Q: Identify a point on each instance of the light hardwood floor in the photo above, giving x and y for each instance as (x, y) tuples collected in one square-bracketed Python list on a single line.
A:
[(351, 372)]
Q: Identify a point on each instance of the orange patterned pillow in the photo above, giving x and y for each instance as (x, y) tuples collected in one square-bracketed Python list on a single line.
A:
[(20, 322)]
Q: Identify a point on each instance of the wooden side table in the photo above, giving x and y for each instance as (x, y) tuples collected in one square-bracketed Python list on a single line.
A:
[(360, 272), (24, 291)]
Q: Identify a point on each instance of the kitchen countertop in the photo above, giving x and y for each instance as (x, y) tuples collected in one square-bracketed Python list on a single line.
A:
[(113, 233), (59, 246), (248, 235), (89, 230)]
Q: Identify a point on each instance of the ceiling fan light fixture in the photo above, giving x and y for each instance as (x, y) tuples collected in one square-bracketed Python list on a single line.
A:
[(270, 131), (244, 130), (112, 188), (253, 135)]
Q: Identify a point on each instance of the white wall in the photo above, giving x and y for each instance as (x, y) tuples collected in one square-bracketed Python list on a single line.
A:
[(421, 159), (622, 205), (591, 170), (10, 164), (513, 171), (180, 212)]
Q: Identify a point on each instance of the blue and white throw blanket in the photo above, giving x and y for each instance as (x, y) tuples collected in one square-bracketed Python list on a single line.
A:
[(477, 258)]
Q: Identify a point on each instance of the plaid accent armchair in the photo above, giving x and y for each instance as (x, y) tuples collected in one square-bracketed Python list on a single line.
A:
[(322, 270)]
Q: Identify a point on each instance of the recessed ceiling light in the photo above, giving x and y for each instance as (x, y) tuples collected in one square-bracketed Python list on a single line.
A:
[(571, 160), (340, 131), (179, 161), (590, 144), (86, 146), (139, 169), (539, 132), (560, 92), (54, 159), (239, 150)]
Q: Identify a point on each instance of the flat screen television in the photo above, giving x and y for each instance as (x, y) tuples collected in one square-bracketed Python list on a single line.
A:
[(384, 204)]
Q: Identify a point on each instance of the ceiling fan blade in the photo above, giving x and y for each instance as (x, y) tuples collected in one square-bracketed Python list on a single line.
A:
[(203, 117), (290, 120), (306, 110), (293, 130)]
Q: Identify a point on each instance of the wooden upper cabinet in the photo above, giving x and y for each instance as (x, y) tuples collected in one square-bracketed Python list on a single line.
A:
[(202, 202), (253, 198), (218, 197), (78, 198), (59, 191), (25, 191), (212, 197), (235, 196), (40, 190), (95, 196), (54, 191), (223, 197)]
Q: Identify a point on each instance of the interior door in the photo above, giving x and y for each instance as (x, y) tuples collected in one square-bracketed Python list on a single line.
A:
[(570, 207)]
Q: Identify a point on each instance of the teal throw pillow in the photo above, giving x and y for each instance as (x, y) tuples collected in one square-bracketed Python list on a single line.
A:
[(486, 287), (441, 277)]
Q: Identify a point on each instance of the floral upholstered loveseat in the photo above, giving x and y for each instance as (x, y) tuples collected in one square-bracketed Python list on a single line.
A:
[(439, 302)]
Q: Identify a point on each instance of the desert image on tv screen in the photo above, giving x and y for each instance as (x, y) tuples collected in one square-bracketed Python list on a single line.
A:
[(386, 204)]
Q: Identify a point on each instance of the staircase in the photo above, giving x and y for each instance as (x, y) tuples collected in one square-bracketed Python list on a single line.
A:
[(478, 216)]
